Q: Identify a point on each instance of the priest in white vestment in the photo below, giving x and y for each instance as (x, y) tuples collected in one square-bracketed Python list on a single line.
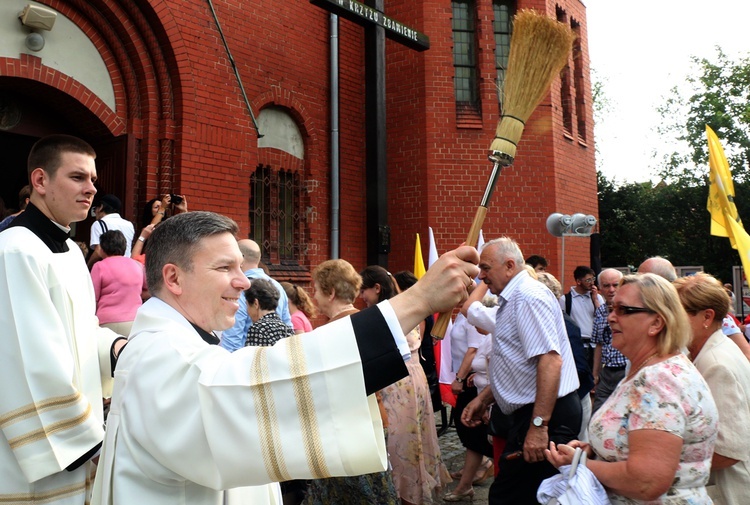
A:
[(54, 357), (189, 420)]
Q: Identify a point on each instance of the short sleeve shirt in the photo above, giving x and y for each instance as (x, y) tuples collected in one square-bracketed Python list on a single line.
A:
[(669, 396)]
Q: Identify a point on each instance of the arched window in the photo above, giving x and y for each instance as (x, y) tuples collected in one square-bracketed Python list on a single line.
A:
[(277, 189)]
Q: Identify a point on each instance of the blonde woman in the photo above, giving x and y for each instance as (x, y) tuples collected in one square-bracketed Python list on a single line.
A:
[(654, 437)]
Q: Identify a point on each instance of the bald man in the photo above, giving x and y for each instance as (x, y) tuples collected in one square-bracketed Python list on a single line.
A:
[(234, 338), (659, 266), (609, 363)]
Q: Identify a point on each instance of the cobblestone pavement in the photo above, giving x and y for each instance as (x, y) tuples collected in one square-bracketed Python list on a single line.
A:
[(452, 453)]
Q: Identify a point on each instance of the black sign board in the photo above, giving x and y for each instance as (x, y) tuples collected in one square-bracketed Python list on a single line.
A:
[(364, 15)]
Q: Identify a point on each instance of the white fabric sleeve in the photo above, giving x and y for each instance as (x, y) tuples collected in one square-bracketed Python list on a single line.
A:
[(482, 317), (96, 231), (398, 335)]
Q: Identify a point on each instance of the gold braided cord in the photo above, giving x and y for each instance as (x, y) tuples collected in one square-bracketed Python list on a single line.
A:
[(44, 496), (58, 402), (268, 426), (45, 432), (303, 396)]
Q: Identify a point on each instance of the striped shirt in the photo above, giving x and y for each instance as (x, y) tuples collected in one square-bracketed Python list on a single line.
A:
[(602, 334), (529, 324)]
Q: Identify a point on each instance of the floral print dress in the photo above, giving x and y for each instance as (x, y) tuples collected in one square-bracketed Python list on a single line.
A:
[(413, 450), (669, 396)]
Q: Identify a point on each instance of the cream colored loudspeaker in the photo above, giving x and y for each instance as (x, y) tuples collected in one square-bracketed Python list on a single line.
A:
[(37, 17)]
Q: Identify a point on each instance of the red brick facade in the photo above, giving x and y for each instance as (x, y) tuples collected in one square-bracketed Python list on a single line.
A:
[(181, 123)]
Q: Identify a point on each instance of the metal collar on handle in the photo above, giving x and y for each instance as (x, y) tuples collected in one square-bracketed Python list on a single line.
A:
[(499, 160)]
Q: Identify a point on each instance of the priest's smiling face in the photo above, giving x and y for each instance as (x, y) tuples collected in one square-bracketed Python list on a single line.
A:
[(208, 294)]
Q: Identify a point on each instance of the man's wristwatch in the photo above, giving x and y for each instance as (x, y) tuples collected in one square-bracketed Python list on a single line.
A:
[(539, 422), (459, 379)]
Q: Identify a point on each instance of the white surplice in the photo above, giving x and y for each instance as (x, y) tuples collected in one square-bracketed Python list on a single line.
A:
[(53, 360), (190, 419)]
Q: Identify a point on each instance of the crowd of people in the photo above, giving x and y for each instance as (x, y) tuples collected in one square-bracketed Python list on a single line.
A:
[(215, 382)]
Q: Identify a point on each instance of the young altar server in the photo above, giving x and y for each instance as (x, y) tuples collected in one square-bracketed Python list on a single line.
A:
[(55, 358)]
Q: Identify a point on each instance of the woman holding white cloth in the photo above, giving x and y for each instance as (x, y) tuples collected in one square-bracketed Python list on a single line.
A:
[(654, 437)]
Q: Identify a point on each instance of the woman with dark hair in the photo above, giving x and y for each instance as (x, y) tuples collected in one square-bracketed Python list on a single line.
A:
[(154, 212), (301, 307), (418, 471), (267, 328), (119, 284)]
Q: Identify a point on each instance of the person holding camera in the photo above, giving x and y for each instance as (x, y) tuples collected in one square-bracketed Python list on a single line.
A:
[(154, 212)]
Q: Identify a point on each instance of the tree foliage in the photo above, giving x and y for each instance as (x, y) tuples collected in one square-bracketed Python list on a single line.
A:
[(717, 96), (640, 220)]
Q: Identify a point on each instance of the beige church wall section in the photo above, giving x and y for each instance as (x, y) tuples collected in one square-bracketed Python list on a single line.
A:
[(66, 49)]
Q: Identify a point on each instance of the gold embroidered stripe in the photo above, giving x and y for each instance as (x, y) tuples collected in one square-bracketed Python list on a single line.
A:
[(43, 433), (58, 402), (303, 396), (43, 497), (268, 426)]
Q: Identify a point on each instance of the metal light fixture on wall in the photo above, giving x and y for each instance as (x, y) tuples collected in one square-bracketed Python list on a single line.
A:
[(565, 225), (36, 18)]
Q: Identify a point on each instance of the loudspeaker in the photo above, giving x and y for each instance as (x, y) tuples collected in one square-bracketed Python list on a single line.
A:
[(558, 224), (582, 224), (38, 17)]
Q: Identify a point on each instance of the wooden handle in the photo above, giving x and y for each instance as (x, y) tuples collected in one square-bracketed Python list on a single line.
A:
[(441, 325)]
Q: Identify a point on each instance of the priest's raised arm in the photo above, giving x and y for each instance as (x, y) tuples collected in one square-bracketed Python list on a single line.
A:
[(189, 419)]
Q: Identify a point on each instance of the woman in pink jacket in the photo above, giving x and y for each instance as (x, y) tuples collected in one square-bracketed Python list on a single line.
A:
[(119, 284)]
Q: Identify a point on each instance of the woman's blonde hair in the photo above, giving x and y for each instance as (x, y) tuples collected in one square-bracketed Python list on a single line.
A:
[(338, 276), (660, 296), (532, 273), (553, 284), (702, 291)]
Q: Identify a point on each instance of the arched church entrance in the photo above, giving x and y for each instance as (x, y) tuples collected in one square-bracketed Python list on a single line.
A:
[(104, 74), (30, 110)]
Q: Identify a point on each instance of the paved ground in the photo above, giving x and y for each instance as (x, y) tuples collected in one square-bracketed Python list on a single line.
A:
[(453, 456)]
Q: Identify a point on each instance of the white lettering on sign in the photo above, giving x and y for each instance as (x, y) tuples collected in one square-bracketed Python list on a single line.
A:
[(389, 24)]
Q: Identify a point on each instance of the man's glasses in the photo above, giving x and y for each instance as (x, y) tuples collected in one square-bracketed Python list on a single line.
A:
[(627, 310), (588, 281)]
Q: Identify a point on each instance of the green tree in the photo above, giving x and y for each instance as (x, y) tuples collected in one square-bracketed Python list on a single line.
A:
[(670, 219), (639, 220), (717, 96)]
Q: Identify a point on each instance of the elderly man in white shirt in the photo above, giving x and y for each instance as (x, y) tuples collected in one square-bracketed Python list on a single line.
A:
[(532, 372)]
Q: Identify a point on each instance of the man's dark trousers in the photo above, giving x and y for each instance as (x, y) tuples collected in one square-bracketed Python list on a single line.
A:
[(517, 481)]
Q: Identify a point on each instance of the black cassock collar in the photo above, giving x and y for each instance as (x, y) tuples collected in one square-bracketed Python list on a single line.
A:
[(40, 225), (209, 338)]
